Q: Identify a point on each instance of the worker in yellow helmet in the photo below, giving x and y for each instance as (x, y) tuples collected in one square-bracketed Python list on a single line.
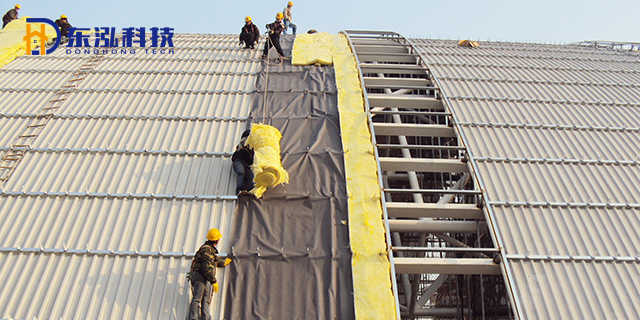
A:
[(10, 16), (249, 35), (64, 25), (275, 29), (203, 276), (288, 17)]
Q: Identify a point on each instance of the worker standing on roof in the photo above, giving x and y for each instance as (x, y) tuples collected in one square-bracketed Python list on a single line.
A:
[(203, 275), (249, 34), (64, 25), (287, 18), (242, 160), (10, 16), (275, 29)]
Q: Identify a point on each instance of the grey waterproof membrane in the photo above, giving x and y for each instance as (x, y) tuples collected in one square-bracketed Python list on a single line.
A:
[(291, 248)]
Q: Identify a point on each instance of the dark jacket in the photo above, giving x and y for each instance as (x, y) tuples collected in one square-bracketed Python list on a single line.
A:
[(276, 27), (64, 26), (244, 154), (206, 260), (9, 16), (252, 29)]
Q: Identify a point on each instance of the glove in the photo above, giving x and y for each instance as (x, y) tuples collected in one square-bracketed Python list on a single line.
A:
[(227, 261), (215, 287)]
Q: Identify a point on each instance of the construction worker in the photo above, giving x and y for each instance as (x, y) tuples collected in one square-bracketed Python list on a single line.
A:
[(287, 18), (10, 16), (275, 29), (249, 34), (242, 160), (203, 276), (64, 25)]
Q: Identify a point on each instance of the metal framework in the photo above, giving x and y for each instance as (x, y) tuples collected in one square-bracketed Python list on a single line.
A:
[(445, 260)]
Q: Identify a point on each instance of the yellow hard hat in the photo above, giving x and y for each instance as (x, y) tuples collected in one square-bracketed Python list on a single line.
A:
[(214, 235), (63, 16), (290, 3), (17, 6), (247, 19), (279, 15)]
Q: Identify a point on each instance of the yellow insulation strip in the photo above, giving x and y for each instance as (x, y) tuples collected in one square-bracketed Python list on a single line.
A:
[(312, 49), (12, 42), (267, 168), (373, 293)]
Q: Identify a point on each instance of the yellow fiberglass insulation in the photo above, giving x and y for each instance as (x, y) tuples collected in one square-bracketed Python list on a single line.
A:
[(12, 42), (373, 292), (267, 168)]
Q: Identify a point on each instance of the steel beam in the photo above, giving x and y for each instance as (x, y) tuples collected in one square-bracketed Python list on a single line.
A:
[(433, 210), (430, 292), (397, 82), (392, 68), (411, 129), (431, 226), (438, 313), (446, 266), (422, 165), (387, 57), (404, 101), (377, 42)]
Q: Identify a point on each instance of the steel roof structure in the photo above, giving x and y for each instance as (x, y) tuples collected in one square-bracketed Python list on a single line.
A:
[(554, 132), (116, 189)]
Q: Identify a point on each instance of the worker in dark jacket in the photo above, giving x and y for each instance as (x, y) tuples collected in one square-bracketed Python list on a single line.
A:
[(203, 276), (10, 16), (275, 29), (64, 25), (249, 34), (242, 160)]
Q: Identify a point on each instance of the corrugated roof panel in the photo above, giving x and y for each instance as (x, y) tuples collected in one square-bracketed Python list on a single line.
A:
[(577, 289), (88, 286), (557, 182), (110, 172), (165, 104), (531, 112), (9, 127), (179, 115), (554, 143), (32, 80), (141, 134), (575, 231), (119, 224), (24, 102)]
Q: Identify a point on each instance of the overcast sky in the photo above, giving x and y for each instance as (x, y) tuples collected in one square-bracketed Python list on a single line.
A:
[(556, 21)]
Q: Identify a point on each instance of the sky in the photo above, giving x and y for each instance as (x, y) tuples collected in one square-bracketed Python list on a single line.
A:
[(541, 21)]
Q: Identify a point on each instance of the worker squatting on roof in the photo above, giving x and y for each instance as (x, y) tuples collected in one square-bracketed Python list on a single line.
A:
[(288, 17), (250, 34), (203, 276), (275, 29), (242, 160), (10, 16), (64, 25)]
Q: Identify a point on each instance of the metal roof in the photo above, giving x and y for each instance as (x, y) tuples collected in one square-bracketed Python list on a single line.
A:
[(554, 131), (101, 217)]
